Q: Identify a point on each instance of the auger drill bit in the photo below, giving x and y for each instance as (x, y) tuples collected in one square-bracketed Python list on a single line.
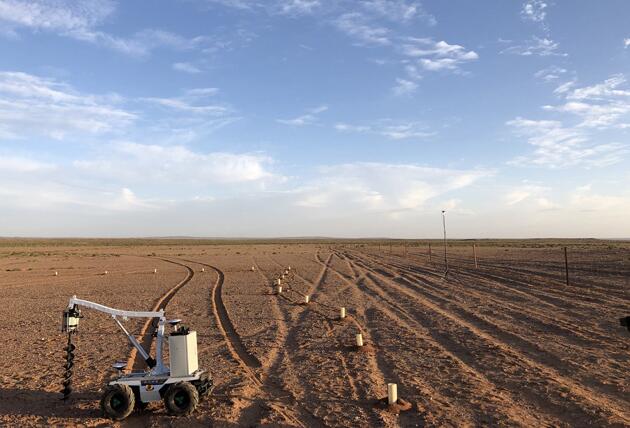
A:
[(67, 375)]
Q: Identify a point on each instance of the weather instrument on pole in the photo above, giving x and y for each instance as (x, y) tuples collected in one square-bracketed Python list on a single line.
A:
[(180, 384)]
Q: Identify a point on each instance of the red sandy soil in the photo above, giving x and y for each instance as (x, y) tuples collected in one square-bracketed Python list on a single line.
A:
[(507, 343)]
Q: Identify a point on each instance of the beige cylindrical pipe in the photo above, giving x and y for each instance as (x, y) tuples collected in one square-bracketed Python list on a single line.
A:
[(307, 298), (289, 268), (56, 273), (278, 281), (342, 313), (106, 272), (392, 393), (203, 269), (282, 276), (253, 268), (279, 289), (359, 339), (286, 271), (154, 270)]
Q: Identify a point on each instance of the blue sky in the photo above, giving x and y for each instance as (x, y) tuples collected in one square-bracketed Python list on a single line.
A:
[(315, 117)]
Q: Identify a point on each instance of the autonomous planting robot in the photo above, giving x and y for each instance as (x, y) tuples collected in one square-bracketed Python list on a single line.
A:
[(180, 385)]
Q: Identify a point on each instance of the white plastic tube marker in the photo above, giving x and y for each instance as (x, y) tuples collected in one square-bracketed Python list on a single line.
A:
[(342, 313), (359, 339), (392, 393)]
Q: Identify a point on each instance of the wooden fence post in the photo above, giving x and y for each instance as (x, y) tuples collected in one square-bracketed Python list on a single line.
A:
[(475, 255), (566, 265)]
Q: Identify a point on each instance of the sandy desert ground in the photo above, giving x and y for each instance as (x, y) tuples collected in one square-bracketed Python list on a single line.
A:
[(507, 343)]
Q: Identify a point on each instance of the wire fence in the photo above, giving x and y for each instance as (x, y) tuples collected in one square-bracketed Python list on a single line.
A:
[(570, 263)]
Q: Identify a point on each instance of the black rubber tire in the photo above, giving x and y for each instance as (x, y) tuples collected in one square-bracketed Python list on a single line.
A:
[(118, 401), (181, 399), (204, 385)]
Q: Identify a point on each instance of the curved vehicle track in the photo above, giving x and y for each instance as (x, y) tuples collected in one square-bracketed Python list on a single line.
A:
[(149, 327), (282, 403)]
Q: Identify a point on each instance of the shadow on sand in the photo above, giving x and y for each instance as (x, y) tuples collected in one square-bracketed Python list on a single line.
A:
[(27, 402)]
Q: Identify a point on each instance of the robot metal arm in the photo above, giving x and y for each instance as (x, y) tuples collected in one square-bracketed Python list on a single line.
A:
[(72, 315), (74, 301)]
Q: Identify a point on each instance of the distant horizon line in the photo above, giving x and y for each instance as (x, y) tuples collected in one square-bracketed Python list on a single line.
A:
[(296, 238)]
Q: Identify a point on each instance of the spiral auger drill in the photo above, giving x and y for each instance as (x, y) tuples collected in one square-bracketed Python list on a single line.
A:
[(70, 323), (67, 374), (180, 384)]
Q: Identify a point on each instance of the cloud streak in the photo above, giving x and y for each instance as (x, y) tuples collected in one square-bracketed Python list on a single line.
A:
[(32, 106), (311, 117)]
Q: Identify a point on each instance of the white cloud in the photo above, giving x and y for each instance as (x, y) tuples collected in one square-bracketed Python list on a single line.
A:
[(345, 127), (357, 26), (186, 67), (564, 88), (535, 46), (604, 105), (601, 91), (390, 129), (382, 187), (534, 10), (585, 199), (404, 87), (310, 118), (23, 165), (144, 42), (60, 15), (80, 19), (127, 200), (551, 73), (436, 56), (600, 107), (35, 106), (298, 7), (185, 105), (160, 176), (236, 4), (626, 43), (536, 194), (557, 146), (151, 163), (201, 92), (399, 10)]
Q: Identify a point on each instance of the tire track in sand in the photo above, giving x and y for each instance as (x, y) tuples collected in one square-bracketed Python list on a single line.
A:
[(585, 401), (504, 331), (250, 363), (472, 382), (150, 325), (356, 395)]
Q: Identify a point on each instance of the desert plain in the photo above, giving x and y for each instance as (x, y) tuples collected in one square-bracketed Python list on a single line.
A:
[(505, 342)]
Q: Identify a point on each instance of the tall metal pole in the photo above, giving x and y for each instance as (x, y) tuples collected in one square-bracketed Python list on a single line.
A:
[(445, 243)]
